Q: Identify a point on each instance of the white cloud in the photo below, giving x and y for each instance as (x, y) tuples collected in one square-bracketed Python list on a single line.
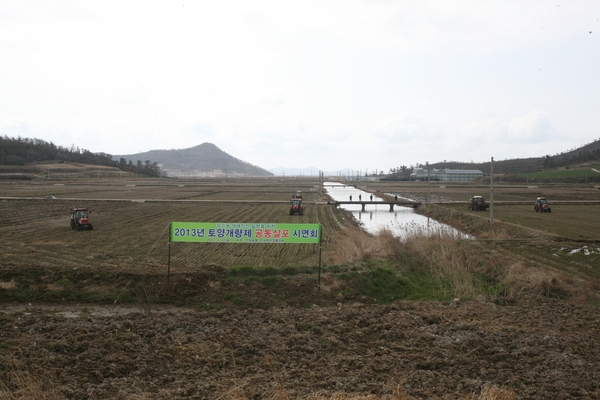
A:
[(274, 96), (342, 84), (531, 127)]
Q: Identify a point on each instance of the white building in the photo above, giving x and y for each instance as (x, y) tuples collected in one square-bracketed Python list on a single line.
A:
[(421, 174)]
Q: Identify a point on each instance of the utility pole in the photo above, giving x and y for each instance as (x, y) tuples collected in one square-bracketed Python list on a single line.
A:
[(492, 193), (428, 180)]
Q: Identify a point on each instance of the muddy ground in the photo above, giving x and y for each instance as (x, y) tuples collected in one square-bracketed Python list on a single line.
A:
[(537, 348)]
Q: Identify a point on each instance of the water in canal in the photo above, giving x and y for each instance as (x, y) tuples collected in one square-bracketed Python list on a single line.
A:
[(402, 222)]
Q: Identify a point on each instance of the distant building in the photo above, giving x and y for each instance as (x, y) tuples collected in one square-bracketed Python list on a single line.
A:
[(421, 174)]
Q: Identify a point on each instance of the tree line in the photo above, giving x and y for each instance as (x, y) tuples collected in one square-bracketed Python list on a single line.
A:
[(22, 151)]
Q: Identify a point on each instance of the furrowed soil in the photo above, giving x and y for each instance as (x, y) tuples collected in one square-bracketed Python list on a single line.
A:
[(537, 349), (94, 315)]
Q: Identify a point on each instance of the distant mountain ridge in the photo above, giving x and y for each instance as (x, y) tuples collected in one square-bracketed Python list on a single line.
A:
[(587, 153), (205, 159)]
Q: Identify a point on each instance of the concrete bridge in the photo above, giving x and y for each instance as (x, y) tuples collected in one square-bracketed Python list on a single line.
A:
[(415, 204), (363, 203)]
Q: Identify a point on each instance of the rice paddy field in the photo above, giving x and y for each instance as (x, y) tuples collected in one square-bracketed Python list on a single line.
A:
[(118, 312)]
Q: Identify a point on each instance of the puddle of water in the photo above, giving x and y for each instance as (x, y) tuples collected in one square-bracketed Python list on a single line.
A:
[(402, 222)]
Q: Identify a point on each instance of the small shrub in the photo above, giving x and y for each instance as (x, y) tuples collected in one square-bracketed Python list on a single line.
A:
[(146, 295)]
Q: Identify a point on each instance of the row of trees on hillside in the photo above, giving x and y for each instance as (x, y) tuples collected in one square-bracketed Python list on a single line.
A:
[(21, 151), (145, 168), (573, 158)]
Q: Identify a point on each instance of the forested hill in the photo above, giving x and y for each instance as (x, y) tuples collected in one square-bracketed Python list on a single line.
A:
[(198, 160), (585, 154), (22, 151)]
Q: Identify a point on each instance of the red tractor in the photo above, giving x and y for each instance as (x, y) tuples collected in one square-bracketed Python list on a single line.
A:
[(541, 205), (477, 203), (296, 207), (80, 219)]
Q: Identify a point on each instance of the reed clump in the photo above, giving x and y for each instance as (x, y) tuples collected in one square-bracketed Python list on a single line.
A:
[(538, 281), (452, 264), (440, 257)]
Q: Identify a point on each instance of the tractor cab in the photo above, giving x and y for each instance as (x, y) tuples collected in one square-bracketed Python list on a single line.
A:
[(541, 205), (296, 207), (80, 219), (477, 203)]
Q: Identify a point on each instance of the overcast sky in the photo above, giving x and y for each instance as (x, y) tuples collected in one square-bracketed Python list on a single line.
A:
[(326, 84)]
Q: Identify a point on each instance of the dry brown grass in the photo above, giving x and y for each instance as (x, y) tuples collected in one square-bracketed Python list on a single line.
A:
[(541, 282), (449, 259), (18, 382), (495, 393), (441, 255), (463, 262), (353, 248), (488, 393)]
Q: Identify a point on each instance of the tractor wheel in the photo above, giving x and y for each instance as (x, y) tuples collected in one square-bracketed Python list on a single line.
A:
[(91, 227), (549, 210)]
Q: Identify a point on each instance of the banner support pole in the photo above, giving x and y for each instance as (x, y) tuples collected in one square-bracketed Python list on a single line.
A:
[(320, 248), (169, 258)]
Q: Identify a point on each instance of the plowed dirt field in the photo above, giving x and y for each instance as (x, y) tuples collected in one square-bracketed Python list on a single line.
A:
[(536, 349)]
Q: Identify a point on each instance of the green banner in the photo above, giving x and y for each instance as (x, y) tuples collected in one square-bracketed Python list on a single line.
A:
[(244, 232)]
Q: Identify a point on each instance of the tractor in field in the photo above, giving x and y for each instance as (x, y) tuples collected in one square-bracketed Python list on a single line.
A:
[(477, 203), (296, 207), (541, 205), (80, 219)]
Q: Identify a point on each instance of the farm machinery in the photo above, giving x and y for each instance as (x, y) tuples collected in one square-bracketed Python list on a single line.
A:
[(477, 203), (541, 205), (296, 207), (80, 219)]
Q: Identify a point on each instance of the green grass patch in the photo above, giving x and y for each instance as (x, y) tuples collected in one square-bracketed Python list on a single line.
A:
[(565, 174), (235, 298), (103, 277), (265, 281), (270, 271), (289, 270), (64, 282), (385, 285), (24, 280)]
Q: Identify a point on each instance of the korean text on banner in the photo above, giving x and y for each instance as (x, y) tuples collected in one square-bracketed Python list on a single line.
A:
[(244, 232)]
